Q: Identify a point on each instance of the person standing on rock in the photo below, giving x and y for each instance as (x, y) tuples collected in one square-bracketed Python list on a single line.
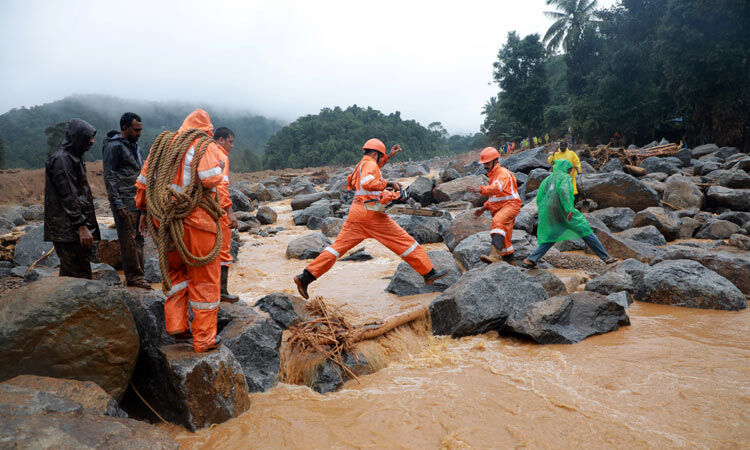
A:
[(69, 217), (225, 138), (122, 162), (563, 152), (368, 184), (558, 218), (193, 284), (504, 204)]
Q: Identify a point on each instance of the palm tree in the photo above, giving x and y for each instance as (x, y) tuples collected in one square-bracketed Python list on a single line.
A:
[(570, 20)]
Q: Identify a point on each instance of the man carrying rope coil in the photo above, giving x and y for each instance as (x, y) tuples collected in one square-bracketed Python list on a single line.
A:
[(177, 188)]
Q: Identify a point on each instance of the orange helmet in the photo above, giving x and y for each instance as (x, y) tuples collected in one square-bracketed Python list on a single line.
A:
[(488, 154), (374, 144)]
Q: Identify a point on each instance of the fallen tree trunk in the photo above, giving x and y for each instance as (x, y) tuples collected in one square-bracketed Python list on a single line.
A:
[(372, 331), (634, 170)]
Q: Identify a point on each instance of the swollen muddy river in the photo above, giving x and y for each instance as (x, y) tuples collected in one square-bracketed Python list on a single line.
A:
[(676, 377)]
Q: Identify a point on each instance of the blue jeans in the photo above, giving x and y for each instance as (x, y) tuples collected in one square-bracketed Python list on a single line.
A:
[(591, 240)]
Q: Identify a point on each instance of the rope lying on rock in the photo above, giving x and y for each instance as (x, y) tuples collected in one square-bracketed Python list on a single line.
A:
[(169, 207)]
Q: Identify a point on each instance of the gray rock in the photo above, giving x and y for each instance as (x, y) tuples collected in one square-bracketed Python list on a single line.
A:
[(255, 342), (248, 189), (449, 174), (612, 165), (464, 225), (735, 199), (423, 229), (681, 192), (303, 201), (657, 186), (331, 226), (526, 161), (624, 248), (740, 241), (610, 282), (329, 377), (320, 209), (421, 190), (31, 247), (266, 215), (568, 319), (688, 225), (526, 222), (484, 299), (229, 312), (616, 219), (687, 283), (240, 202), (659, 164), (151, 269), (358, 255), (571, 245), (68, 328), (406, 281), (666, 222), (467, 253), (549, 281), (414, 170), (703, 150), (456, 190), (13, 214), (726, 152), (619, 189), (717, 229), (105, 273), (684, 156), (735, 179), (536, 177), (737, 217), (648, 235), (308, 246), (210, 386), (286, 310)]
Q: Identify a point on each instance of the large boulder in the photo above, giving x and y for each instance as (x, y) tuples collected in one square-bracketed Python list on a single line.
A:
[(681, 192), (449, 174), (567, 319), (268, 194), (331, 226), (611, 281), (484, 299), (456, 189), (308, 246), (421, 190), (240, 202), (536, 177), (717, 229), (735, 179), (616, 219), (703, 150), (305, 200), (68, 328), (31, 247), (733, 267), (406, 281), (255, 342), (467, 253), (414, 170), (266, 215), (26, 395), (286, 310), (648, 235), (665, 221), (735, 199), (210, 387), (329, 377), (549, 281), (624, 248), (73, 430), (13, 214), (423, 229), (465, 225), (687, 283), (320, 209), (618, 189), (526, 161), (654, 164)]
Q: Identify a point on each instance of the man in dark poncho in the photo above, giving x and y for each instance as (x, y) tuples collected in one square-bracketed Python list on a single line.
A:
[(69, 218), (558, 218)]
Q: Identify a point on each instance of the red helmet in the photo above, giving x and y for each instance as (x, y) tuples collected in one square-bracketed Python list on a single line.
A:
[(488, 154), (374, 144)]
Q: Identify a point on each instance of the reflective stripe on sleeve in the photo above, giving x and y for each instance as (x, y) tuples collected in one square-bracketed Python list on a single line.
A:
[(366, 179), (187, 167), (177, 288), (141, 179), (409, 250), (363, 192), (205, 306), (332, 251), (208, 173)]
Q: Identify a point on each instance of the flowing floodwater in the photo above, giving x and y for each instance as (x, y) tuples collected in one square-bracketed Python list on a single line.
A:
[(676, 377)]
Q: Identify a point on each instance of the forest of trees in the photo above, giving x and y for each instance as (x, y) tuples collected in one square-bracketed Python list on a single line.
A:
[(645, 69), (335, 136), (28, 134)]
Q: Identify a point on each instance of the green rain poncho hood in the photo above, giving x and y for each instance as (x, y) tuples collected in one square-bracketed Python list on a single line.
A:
[(555, 200)]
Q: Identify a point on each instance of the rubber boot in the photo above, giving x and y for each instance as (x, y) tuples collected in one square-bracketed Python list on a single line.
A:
[(510, 259), (434, 275), (225, 295), (302, 281), (493, 257)]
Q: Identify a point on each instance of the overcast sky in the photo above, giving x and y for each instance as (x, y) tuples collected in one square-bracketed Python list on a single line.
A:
[(430, 60)]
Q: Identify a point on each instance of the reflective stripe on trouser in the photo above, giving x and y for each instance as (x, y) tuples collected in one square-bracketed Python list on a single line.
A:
[(199, 285), (502, 224), (226, 241), (386, 231)]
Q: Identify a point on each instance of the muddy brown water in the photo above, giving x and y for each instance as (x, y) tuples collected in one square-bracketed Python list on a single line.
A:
[(676, 377)]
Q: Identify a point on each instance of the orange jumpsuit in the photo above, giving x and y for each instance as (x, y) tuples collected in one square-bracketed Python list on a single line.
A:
[(225, 201), (361, 224), (504, 203), (199, 285)]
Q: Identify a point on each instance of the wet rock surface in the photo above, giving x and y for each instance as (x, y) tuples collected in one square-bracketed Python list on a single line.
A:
[(68, 328), (424, 230), (329, 377), (619, 190), (307, 247), (255, 343), (456, 189), (31, 247), (616, 219), (549, 281), (285, 309), (464, 225), (733, 267), (665, 221), (406, 281)]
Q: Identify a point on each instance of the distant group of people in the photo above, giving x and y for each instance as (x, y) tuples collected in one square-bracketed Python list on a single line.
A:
[(198, 158), (509, 147)]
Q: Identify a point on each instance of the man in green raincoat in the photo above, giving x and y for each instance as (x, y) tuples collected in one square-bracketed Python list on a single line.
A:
[(558, 218)]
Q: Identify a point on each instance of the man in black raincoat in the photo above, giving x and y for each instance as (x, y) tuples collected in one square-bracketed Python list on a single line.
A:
[(69, 218), (122, 164)]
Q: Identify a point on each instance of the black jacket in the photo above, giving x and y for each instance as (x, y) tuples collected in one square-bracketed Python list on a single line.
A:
[(68, 202), (122, 164)]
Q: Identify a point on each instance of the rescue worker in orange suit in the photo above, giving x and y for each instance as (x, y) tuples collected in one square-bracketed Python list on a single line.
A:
[(504, 204), (361, 223), (225, 138), (197, 287)]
